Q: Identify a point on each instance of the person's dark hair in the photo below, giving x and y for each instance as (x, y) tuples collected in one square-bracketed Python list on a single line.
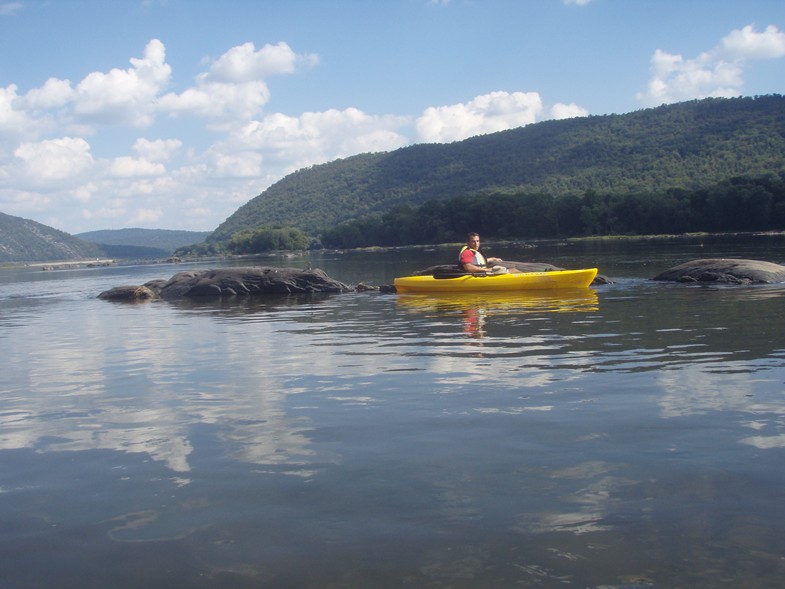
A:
[(473, 234)]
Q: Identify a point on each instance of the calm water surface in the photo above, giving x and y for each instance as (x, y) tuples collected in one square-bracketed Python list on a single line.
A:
[(629, 435)]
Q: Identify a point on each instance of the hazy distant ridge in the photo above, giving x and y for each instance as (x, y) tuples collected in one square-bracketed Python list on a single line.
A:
[(23, 240), (166, 240)]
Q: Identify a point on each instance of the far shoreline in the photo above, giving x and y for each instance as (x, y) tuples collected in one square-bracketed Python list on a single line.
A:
[(103, 262)]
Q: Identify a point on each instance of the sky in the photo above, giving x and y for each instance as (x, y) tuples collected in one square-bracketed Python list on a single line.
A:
[(171, 114)]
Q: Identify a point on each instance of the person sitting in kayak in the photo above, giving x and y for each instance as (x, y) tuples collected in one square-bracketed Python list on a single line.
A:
[(472, 260)]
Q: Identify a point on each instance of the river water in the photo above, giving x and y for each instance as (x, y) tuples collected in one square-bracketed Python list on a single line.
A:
[(630, 435)]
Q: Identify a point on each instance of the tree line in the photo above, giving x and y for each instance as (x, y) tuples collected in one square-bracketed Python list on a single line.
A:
[(254, 241), (741, 204), (738, 204)]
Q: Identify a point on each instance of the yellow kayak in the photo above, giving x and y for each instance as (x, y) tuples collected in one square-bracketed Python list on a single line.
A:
[(497, 282)]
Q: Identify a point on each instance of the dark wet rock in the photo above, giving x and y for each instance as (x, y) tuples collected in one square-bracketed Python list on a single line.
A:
[(453, 269), (234, 282), (725, 271), (156, 285), (249, 281), (362, 287), (128, 293)]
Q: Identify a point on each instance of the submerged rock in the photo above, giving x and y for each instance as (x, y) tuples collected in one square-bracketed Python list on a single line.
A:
[(725, 270), (231, 282), (128, 293)]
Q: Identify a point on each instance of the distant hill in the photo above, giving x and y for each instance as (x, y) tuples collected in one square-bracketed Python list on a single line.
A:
[(23, 240), (689, 145), (140, 243)]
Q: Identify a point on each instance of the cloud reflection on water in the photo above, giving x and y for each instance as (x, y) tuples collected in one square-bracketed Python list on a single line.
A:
[(131, 386)]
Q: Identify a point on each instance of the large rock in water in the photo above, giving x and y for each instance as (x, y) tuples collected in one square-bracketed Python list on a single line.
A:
[(231, 282), (725, 270)]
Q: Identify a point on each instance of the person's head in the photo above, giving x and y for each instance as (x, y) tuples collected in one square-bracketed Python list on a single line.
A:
[(473, 240)]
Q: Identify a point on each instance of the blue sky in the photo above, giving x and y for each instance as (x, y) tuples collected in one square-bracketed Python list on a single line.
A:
[(171, 114)]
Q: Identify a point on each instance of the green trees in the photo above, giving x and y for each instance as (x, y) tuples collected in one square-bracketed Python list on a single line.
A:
[(252, 241), (738, 204), (264, 239)]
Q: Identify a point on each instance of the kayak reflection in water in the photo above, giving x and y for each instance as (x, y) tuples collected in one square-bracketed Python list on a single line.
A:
[(474, 322)]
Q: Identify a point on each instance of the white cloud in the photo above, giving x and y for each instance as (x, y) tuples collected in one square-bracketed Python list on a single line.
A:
[(119, 97), (106, 212), (160, 150), (12, 120), (129, 167), (53, 94), (222, 104), (233, 88), (715, 73), (146, 216), (246, 164), (488, 113), (746, 43), (244, 64), (10, 8), (18, 121), (84, 193), (124, 96), (316, 137), (567, 111), (55, 160), (577, 2)]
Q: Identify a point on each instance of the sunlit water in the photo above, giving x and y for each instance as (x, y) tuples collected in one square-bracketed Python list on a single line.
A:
[(629, 435)]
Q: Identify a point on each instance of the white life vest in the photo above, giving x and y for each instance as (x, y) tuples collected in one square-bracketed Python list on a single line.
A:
[(478, 260)]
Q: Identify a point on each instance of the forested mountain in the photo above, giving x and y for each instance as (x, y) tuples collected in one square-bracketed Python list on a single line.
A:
[(23, 240), (690, 146), (165, 241)]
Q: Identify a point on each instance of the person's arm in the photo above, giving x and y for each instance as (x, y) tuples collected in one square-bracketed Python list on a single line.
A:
[(475, 269)]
